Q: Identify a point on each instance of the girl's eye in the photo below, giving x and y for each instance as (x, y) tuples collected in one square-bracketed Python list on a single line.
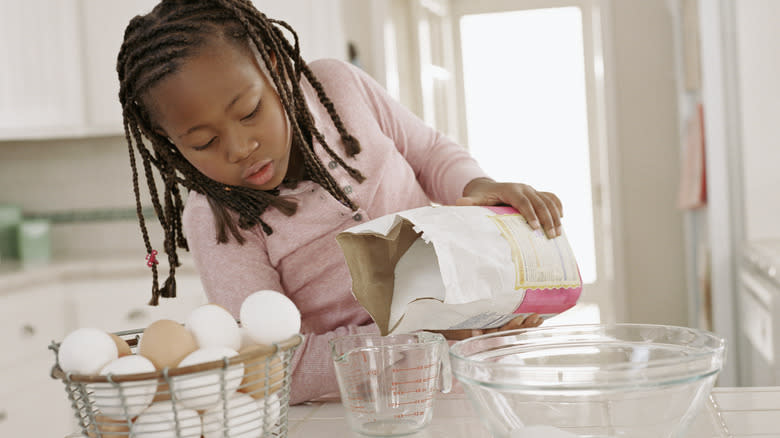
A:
[(253, 113), (200, 148)]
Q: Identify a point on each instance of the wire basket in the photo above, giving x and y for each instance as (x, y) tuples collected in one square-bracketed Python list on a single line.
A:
[(244, 396)]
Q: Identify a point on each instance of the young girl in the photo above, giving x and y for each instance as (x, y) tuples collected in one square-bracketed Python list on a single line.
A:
[(278, 156)]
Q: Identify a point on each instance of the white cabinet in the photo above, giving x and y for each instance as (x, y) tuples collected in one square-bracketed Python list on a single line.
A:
[(58, 66), (29, 320), (317, 23), (113, 305), (58, 60), (32, 404), (40, 86), (104, 23)]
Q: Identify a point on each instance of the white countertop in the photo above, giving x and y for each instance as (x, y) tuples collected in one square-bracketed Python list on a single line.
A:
[(730, 413)]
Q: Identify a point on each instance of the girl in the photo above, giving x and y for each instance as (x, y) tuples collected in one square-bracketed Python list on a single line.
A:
[(279, 156)]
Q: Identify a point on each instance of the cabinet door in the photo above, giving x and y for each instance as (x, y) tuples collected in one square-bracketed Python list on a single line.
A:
[(40, 74), (104, 23), (32, 404), (29, 320), (120, 304)]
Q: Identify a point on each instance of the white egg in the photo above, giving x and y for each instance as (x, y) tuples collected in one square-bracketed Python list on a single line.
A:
[(159, 421), (213, 326), (244, 419), (203, 390), (269, 317), (86, 351), (272, 413), (137, 396)]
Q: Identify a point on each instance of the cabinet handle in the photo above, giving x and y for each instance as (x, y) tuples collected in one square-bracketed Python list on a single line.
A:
[(3, 416), (136, 314), (28, 330)]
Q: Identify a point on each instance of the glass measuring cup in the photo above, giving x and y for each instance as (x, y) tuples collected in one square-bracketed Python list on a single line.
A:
[(387, 383)]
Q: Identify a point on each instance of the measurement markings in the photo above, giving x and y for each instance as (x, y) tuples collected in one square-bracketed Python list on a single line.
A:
[(413, 402), (414, 381), (417, 368)]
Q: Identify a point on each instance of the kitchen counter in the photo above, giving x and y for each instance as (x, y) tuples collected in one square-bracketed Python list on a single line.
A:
[(730, 413), (16, 276)]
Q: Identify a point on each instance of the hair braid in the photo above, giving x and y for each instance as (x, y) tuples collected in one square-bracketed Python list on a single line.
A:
[(140, 214), (351, 144), (157, 45)]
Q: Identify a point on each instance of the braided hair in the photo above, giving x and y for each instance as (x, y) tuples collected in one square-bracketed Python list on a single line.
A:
[(157, 45)]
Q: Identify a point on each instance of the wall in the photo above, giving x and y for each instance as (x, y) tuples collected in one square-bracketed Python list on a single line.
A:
[(758, 67), (60, 176), (648, 162), (358, 17), (317, 23)]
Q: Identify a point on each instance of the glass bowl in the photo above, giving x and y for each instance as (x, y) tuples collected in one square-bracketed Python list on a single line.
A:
[(620, 380)]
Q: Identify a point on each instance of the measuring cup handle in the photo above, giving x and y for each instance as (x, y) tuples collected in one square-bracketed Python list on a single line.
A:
[(445, 369)]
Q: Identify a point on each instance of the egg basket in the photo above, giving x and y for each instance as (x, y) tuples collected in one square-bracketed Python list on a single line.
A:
[(242, 396)]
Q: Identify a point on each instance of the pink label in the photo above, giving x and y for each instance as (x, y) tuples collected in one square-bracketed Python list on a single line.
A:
[(501, 209), (545, 301)]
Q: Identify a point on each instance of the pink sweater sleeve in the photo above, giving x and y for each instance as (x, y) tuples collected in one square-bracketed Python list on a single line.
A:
[(442, 166), (314, 375)]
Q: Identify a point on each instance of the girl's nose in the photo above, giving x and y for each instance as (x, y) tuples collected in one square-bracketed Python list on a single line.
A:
[(240, 149)]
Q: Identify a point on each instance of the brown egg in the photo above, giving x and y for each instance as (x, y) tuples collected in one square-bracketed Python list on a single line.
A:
[(163, 392), (121, 345), (108, 428), (254, 375), (166, 343)]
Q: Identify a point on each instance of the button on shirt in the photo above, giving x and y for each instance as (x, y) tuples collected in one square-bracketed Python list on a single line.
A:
[(406, 164)]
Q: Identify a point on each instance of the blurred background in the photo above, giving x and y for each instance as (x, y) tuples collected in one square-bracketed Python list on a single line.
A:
[(653, 120)]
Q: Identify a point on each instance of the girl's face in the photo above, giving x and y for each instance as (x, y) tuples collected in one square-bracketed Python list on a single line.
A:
[(224, 116)]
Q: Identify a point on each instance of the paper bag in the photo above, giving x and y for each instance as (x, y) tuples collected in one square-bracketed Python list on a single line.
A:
[(447, 268)]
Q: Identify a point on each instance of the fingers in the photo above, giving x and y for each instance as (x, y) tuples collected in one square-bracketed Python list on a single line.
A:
[(520, 322), (554, 209), (529, 321), (465, 201), (525, 207), (540, 209), (551, 196), (546, 217), (458, 335)]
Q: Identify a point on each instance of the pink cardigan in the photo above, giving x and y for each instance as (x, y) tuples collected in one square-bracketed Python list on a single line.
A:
[(407, 164)]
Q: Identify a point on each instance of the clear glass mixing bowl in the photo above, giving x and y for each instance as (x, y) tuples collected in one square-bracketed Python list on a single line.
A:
[(621, 380)]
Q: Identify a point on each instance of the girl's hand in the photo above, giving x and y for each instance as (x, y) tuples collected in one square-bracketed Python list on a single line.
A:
[(530, 321), (541, 209)]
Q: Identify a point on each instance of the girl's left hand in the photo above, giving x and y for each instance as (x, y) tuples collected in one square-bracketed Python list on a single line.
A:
[(541, 209), (530, 321)]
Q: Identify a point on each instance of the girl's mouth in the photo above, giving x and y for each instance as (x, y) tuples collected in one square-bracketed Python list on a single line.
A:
[(260, 173)]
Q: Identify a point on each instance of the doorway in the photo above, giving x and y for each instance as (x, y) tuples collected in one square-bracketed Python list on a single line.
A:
[(521, 83)]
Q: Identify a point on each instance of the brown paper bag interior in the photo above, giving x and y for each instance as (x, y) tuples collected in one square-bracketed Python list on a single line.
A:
[(371, 259)]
